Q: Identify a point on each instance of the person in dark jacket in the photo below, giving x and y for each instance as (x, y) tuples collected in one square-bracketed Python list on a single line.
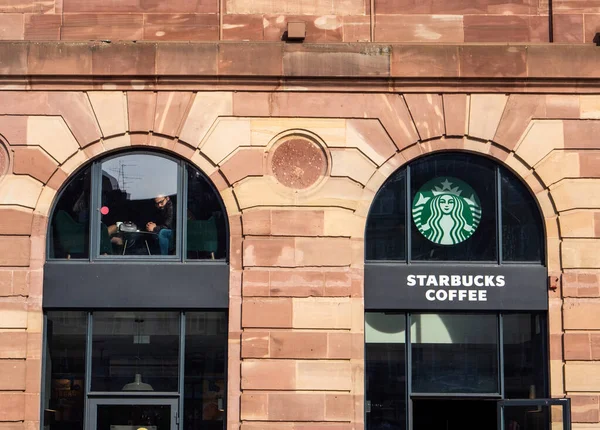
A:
[(163, 223)]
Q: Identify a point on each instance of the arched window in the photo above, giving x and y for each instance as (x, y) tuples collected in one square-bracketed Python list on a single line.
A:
[(136, 298), (455, 298), (138, 205)]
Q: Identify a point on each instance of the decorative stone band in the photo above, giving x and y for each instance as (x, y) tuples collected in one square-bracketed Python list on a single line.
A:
[(293, 61)]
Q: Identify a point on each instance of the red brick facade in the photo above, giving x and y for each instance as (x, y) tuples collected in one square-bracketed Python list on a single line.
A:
[(296, 340)]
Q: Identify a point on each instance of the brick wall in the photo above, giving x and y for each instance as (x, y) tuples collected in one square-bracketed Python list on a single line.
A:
[(296, 285), (338, 21)]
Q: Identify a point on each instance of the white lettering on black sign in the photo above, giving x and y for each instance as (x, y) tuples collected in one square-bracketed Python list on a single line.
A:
[(477, 286)]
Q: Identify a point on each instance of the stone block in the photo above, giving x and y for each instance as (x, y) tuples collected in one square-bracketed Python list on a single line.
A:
[(268, 375), (15, 220), (206, 107), (124, 58), (541, 137), (559, 61), (13, 58), (102, 26), (171, 108), (591, 21), (13, 344), (578, 224), (455, 109), (581, 314), (255, 344), (558, 165), (268, 252), (186, 59), (301, 7), (288, 344), (13, 313), (296, 407), (339, 407), (60, 146), (12, 375), (322, 313), (141, 106), (296, 283), (323, 375), (568, 28), (254, 406), (183, 27), (356, 28), (576, 194), (428, 114), (518, 113), (297, 222), (585, 409), (322, 252), (352, 164), (502, 28), (580, 253), (110, 108), (250, 59), (244, 27), (577, 346), (425, 61), (581, 284), (267, 312), (42, 27), (336, 60), (580, 134), (251, 104), (14, 250), (562, 106), (582, 376), (243, 163), (485, 113), (33, 161), (13, 406), (11, 26), (173, 6), (419, 28), (77, 112)]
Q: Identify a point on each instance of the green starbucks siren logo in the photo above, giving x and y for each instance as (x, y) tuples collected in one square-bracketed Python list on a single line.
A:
[(446, 211)]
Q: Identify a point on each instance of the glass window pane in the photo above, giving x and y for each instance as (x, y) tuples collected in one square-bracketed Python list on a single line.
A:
[(135, 351), (206, 231), (532, 417), (522, 234), (139, 202), (453, 198), (524, 356), (64, 377), (69, 234), (385, 372), (205, 367), (454, 353), (386, 226)]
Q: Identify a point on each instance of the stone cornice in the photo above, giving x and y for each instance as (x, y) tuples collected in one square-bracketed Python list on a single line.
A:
[(284, 66)]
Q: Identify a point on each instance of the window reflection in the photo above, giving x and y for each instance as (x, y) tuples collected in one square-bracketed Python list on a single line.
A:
[(204, 378), (135, 351), (69, 232), (205, 219), (386, 231), (385, 373), (138, 205), (64, 384), (521, 229), (524, 356), (453, 353)]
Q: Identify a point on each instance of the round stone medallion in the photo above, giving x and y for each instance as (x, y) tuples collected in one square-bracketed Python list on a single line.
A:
[(298, 163)]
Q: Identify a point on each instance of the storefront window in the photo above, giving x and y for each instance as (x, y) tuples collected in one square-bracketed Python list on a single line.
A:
[(146, 206), (385, 370), (64, 383), (135, 351), (454, 353)]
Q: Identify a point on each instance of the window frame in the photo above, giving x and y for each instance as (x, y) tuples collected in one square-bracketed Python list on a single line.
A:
[(95, 195)]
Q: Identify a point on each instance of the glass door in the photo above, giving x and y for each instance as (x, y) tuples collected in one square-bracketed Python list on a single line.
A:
[(133, 414), (534, 414)]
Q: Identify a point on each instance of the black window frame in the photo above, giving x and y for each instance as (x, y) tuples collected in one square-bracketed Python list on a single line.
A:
[(95, 193), (406, 170)]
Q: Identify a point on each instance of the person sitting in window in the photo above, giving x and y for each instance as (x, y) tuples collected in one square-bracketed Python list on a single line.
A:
[(163, 223)]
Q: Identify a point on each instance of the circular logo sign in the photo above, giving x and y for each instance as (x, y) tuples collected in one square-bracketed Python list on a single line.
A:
[(446, 211)]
